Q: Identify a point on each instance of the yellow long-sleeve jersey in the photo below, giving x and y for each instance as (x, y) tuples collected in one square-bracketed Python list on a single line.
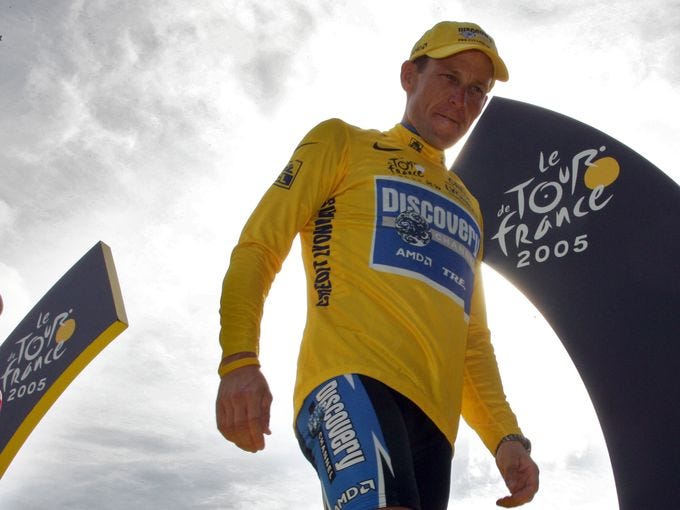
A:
[(391, 243)]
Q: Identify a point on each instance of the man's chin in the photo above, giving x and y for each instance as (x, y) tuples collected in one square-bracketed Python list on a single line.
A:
[(449, 135), (443, 137), (448, 141)]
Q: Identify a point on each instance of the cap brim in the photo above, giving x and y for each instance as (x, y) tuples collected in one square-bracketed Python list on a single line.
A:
[(499, 68)]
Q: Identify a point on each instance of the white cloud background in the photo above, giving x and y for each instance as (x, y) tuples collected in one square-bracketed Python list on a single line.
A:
[(155, 126)]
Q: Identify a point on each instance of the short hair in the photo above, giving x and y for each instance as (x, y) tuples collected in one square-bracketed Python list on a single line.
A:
[(421, 62)]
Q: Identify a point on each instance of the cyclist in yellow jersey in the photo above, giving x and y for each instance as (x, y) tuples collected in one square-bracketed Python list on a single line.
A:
[(396, 346)]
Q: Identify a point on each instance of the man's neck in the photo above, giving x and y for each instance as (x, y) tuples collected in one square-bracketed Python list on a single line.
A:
[(410, 127)]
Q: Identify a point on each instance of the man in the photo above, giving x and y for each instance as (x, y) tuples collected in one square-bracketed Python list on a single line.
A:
[(396, 345)]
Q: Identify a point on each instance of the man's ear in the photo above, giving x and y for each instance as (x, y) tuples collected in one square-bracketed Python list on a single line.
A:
[(408, 72)]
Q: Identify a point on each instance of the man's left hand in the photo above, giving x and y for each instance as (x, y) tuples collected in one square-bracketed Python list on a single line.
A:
[(520, 473)]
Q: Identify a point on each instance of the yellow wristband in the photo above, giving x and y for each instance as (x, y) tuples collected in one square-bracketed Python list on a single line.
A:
[(243, 362)]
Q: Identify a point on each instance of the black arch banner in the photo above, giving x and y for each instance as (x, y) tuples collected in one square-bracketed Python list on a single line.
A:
[(589, 231), (79, 316)]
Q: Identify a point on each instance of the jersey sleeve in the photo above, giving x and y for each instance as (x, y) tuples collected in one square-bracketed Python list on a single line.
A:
[(314, 171), (484, 405)]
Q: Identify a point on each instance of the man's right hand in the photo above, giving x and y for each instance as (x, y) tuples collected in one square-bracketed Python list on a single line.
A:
[(243, 406)]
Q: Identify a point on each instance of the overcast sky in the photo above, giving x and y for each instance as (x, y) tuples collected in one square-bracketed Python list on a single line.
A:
[(155, 126)]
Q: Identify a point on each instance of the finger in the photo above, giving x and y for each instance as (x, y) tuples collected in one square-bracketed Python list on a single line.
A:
[(514, 500), (511, 476), (255, 434), (223, 425), (224, 414), (519, 496), (507, 502), (225, 421), (265, 412), (239, 426), (258, 420), (233, 421), (220, 417)]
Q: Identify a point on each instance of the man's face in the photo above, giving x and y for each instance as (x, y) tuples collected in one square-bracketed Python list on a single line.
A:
[(445, 98)]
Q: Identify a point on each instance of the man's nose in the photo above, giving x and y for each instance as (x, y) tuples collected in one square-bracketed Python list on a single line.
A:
[(457, 96)]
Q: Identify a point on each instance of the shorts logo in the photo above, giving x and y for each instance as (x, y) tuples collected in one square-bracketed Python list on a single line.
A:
[(359, 490), (330, 423), (287, 176)]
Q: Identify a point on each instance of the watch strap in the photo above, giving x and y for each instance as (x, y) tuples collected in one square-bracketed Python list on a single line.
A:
[(516, 437)]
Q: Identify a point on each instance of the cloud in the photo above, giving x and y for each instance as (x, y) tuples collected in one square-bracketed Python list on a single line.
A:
[(131, 99), (137, 467), (473, 473), (114, 470), (7, 218), (658, 36), (268, 38), (15, 299)]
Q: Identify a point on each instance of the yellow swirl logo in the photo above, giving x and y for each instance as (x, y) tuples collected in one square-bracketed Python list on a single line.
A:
[(65, 331)]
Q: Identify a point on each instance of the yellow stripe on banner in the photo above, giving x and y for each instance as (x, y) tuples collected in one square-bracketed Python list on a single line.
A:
[(114, 284), (57, 388)]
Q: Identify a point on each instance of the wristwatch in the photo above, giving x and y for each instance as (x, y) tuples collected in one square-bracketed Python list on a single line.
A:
[(516, 437)]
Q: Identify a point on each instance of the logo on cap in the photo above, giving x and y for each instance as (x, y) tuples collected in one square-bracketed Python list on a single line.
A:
[(476, 34)]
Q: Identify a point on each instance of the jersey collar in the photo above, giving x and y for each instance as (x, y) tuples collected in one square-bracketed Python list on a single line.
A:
[(409, 137)]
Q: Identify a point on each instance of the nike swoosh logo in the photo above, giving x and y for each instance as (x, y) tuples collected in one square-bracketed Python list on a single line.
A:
[(382, 148), (303, 144)]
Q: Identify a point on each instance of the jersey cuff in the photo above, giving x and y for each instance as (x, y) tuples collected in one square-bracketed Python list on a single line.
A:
[(243, 362)]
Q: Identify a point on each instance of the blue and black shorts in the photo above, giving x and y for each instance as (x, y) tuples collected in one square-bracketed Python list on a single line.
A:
[(373, 448)]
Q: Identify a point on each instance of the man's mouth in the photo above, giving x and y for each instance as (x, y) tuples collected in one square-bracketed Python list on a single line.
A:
[(450, 118)]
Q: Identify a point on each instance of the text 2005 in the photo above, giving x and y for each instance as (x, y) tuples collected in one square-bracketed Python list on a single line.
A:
[(561, 249), (26, 389)]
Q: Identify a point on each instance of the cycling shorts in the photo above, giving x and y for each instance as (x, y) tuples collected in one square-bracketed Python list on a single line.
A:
[(373, 448)]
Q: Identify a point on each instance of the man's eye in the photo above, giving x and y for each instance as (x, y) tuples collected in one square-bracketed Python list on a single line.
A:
[(476, 92)]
